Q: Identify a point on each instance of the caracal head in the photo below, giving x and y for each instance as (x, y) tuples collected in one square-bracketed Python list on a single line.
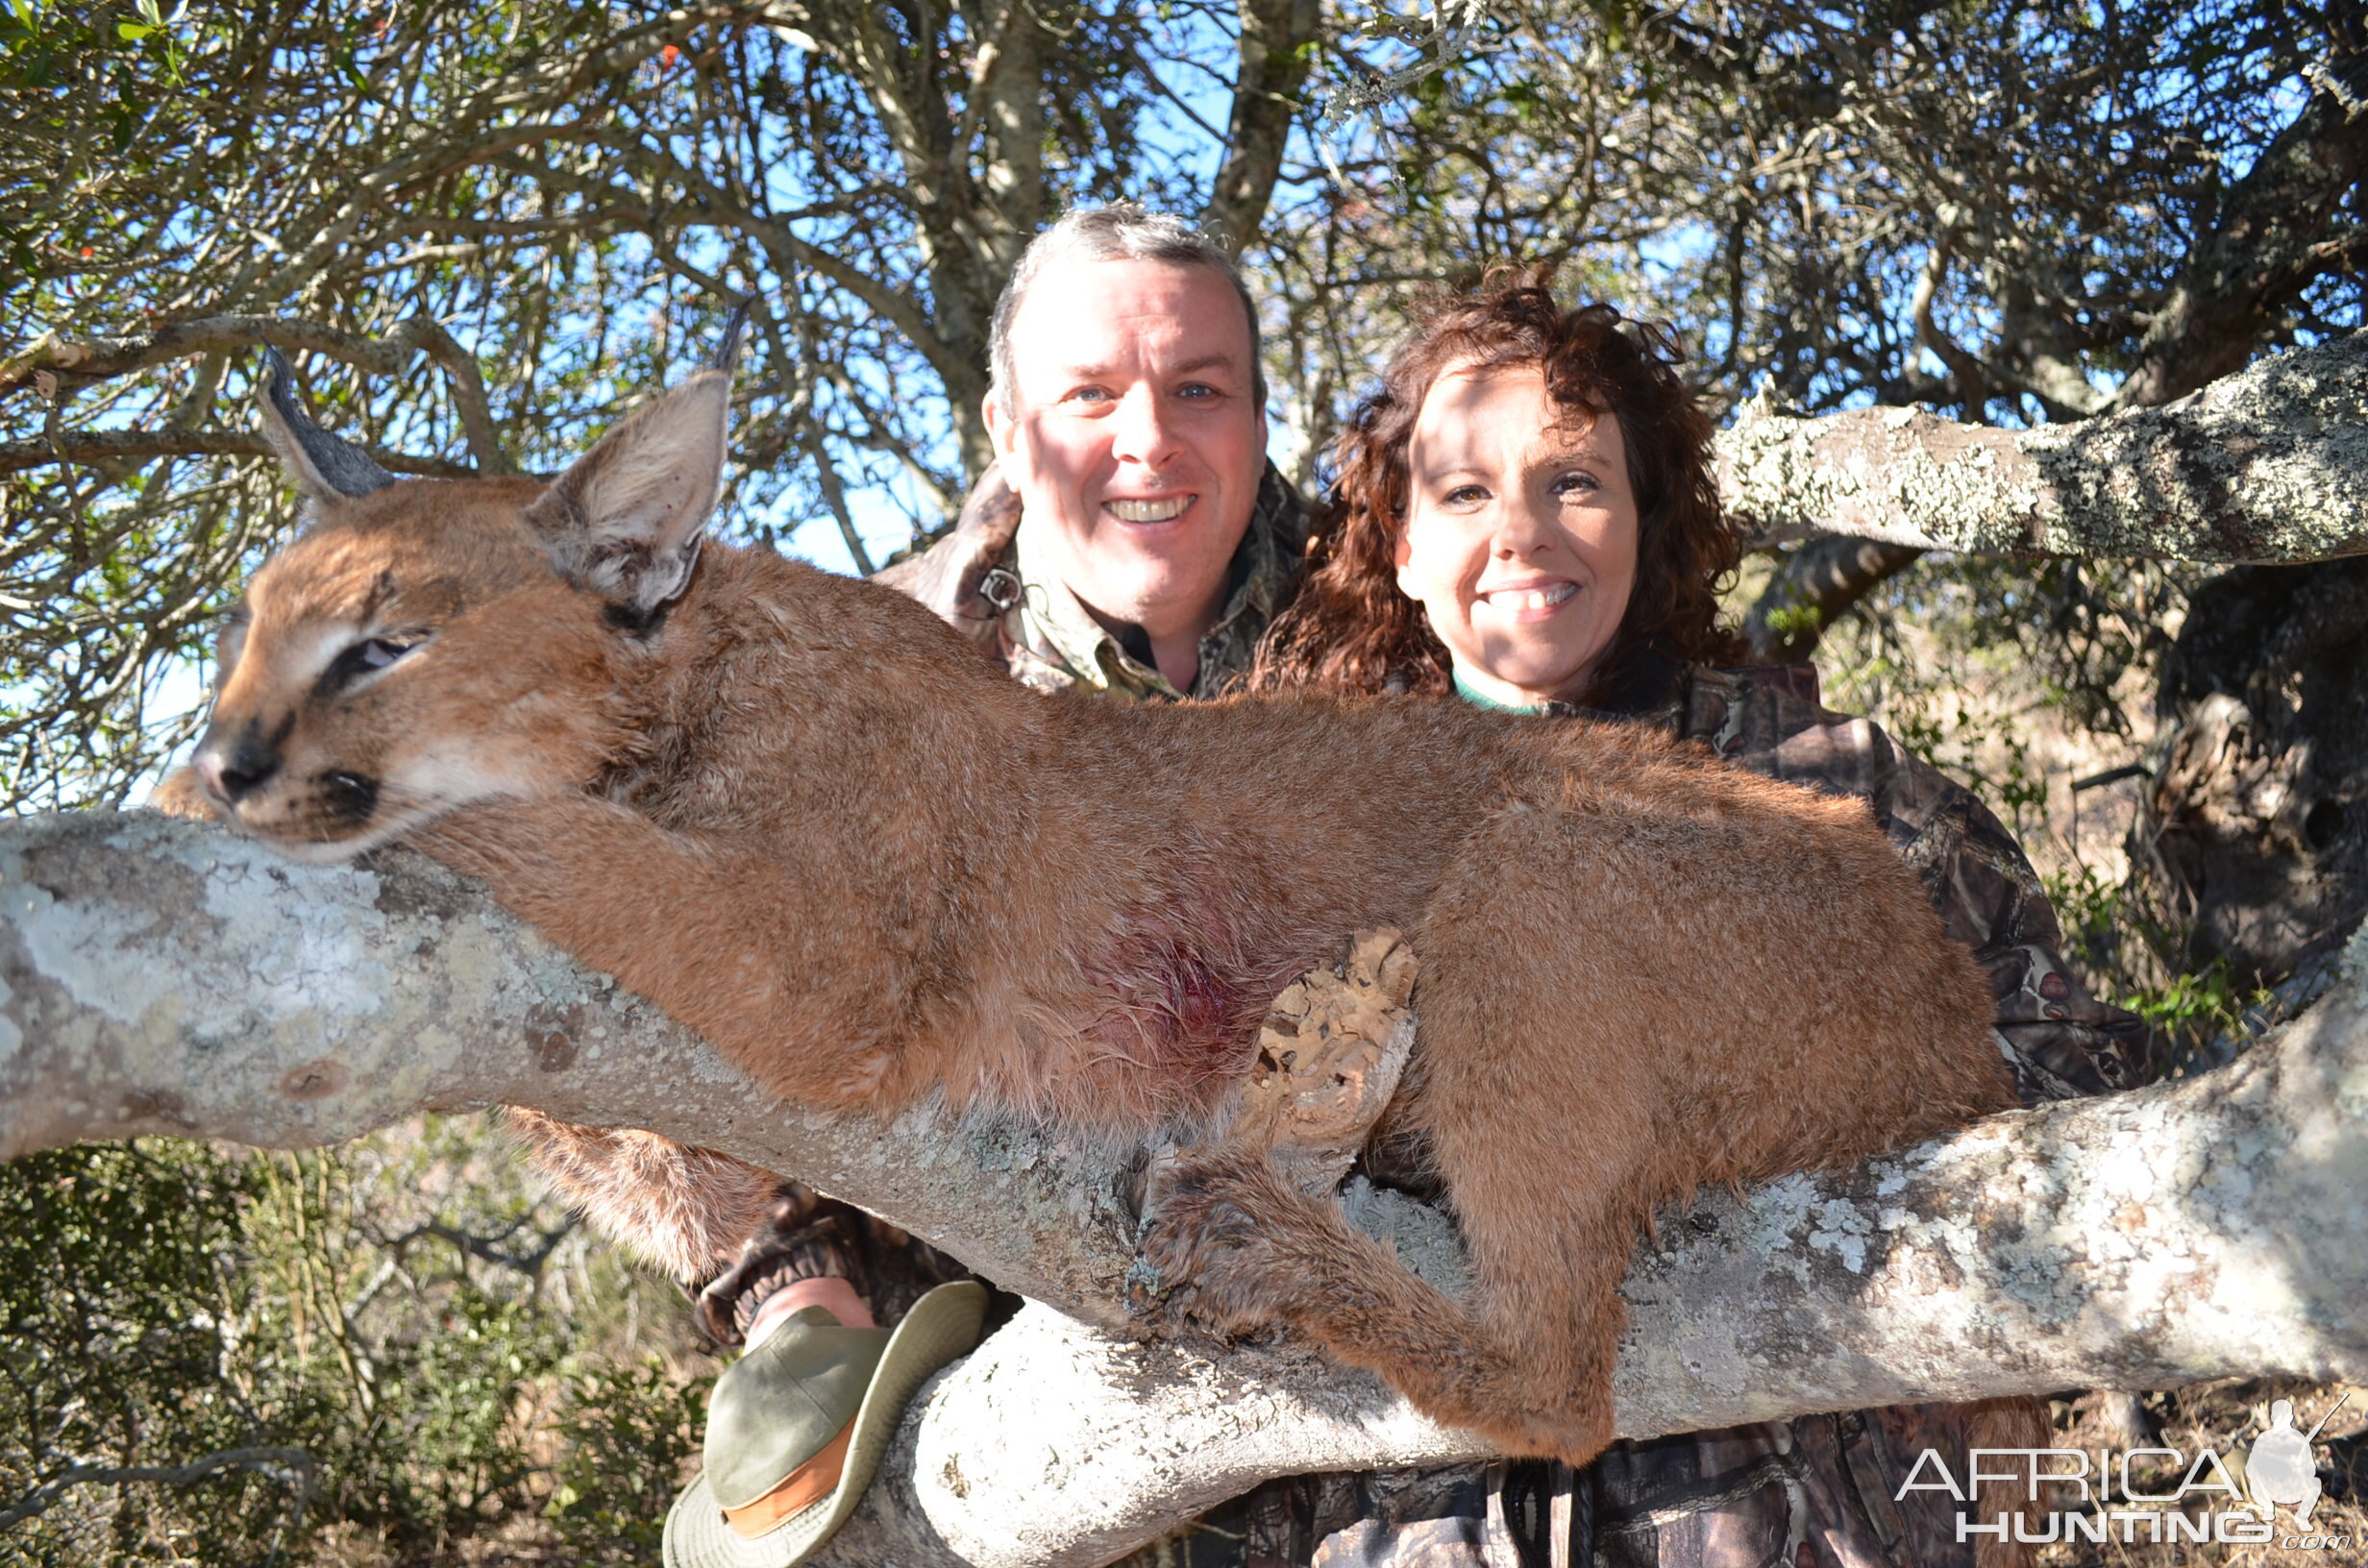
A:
[(429, 644)]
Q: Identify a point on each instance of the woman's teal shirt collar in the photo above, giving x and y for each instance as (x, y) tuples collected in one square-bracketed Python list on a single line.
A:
[(1479, 699)]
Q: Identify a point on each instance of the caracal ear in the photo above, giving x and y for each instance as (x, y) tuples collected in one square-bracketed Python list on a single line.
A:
[(322, 467), (627, 520)]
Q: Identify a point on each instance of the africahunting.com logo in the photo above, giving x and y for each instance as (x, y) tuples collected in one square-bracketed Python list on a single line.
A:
[(2094, 1500)]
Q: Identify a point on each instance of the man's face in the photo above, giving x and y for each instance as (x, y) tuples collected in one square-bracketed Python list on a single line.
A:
[(1135, 439)]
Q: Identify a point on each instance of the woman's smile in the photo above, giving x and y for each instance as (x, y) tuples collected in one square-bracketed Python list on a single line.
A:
[(1528, 602)]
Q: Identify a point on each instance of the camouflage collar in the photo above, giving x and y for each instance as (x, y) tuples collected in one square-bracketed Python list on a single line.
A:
[(1064, 644)]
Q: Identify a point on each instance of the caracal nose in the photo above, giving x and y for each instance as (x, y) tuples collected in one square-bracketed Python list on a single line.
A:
[(232, 766)]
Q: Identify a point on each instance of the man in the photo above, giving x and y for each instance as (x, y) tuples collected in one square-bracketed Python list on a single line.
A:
[(1131, 538)]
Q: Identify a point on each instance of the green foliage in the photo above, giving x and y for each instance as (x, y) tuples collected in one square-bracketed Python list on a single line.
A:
[(626, 1437), (124, 1303), (2190, 1011), (2198, 1016), (432, 1358), (568, 189)]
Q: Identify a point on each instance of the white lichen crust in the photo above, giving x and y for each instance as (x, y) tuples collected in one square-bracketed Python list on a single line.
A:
[(2268, 465)]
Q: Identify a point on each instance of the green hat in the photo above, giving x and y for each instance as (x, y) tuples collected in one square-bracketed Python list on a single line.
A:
[(784, 1402)]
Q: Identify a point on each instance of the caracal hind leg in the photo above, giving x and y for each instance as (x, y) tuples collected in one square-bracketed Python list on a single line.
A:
[(1555, 997), (1550, 1163), (1244, 1247), (680, 1209)]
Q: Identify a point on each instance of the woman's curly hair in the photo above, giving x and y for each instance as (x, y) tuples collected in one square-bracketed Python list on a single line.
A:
[(1350, 629)]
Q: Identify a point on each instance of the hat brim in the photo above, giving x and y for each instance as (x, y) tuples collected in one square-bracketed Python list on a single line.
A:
[(942, 1325)]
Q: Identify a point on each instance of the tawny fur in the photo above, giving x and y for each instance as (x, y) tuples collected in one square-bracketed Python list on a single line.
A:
[(2009, 1423), (804, 817), (678, 1207)]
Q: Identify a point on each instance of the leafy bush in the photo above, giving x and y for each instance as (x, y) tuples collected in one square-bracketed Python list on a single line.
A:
[(390, 1352)]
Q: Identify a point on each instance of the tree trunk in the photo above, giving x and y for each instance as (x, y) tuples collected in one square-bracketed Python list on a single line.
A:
[(1276, 51), (158, 976)]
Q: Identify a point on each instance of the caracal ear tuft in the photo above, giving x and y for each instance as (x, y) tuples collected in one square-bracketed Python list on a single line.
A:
[(735, 336), (322, 467), (626, 521)]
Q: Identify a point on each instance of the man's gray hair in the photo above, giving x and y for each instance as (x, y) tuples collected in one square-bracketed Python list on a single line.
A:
[(1121, 232)]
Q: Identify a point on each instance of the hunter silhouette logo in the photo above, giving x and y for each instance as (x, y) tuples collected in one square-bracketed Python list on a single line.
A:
[(2280, 1469), (2092, 1496)]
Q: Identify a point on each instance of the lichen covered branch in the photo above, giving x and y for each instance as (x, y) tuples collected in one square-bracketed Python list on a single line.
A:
[(2268, 465)]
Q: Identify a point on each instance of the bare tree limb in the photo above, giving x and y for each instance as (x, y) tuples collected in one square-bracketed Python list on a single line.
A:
[(2279, 228), (1812, 589), (160, 976), (42, 1497), (96, 447), (104, 359), (2267, 465)]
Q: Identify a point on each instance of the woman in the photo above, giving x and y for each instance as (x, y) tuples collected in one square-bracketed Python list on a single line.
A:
[(1525, 515)]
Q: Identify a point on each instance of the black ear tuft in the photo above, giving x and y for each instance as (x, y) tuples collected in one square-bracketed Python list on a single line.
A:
[(321, 465), (736, 336)]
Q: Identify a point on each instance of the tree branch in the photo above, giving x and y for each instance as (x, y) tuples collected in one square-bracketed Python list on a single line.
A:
[(158, 976), (104, 359), (2267, 465), (1275, 54), (2266, 243), (1812, 588), (42, 1497), (96, 447)]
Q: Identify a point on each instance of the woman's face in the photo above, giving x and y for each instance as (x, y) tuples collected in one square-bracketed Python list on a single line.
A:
[(1520, 535)]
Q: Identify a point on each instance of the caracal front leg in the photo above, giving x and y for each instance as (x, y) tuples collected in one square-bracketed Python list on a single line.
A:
[(1246, 1248), (715, 931), (682, 1210)]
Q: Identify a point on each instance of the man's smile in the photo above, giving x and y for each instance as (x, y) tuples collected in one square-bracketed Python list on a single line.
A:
[(1164, 509)]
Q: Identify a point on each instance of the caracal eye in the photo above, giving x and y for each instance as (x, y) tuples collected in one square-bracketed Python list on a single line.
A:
[(368, 657)]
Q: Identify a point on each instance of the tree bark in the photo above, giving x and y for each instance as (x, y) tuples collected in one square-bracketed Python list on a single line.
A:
[(2268, 465), (1812, 588), (158, 976), (1277, 52), (2251, 844)]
